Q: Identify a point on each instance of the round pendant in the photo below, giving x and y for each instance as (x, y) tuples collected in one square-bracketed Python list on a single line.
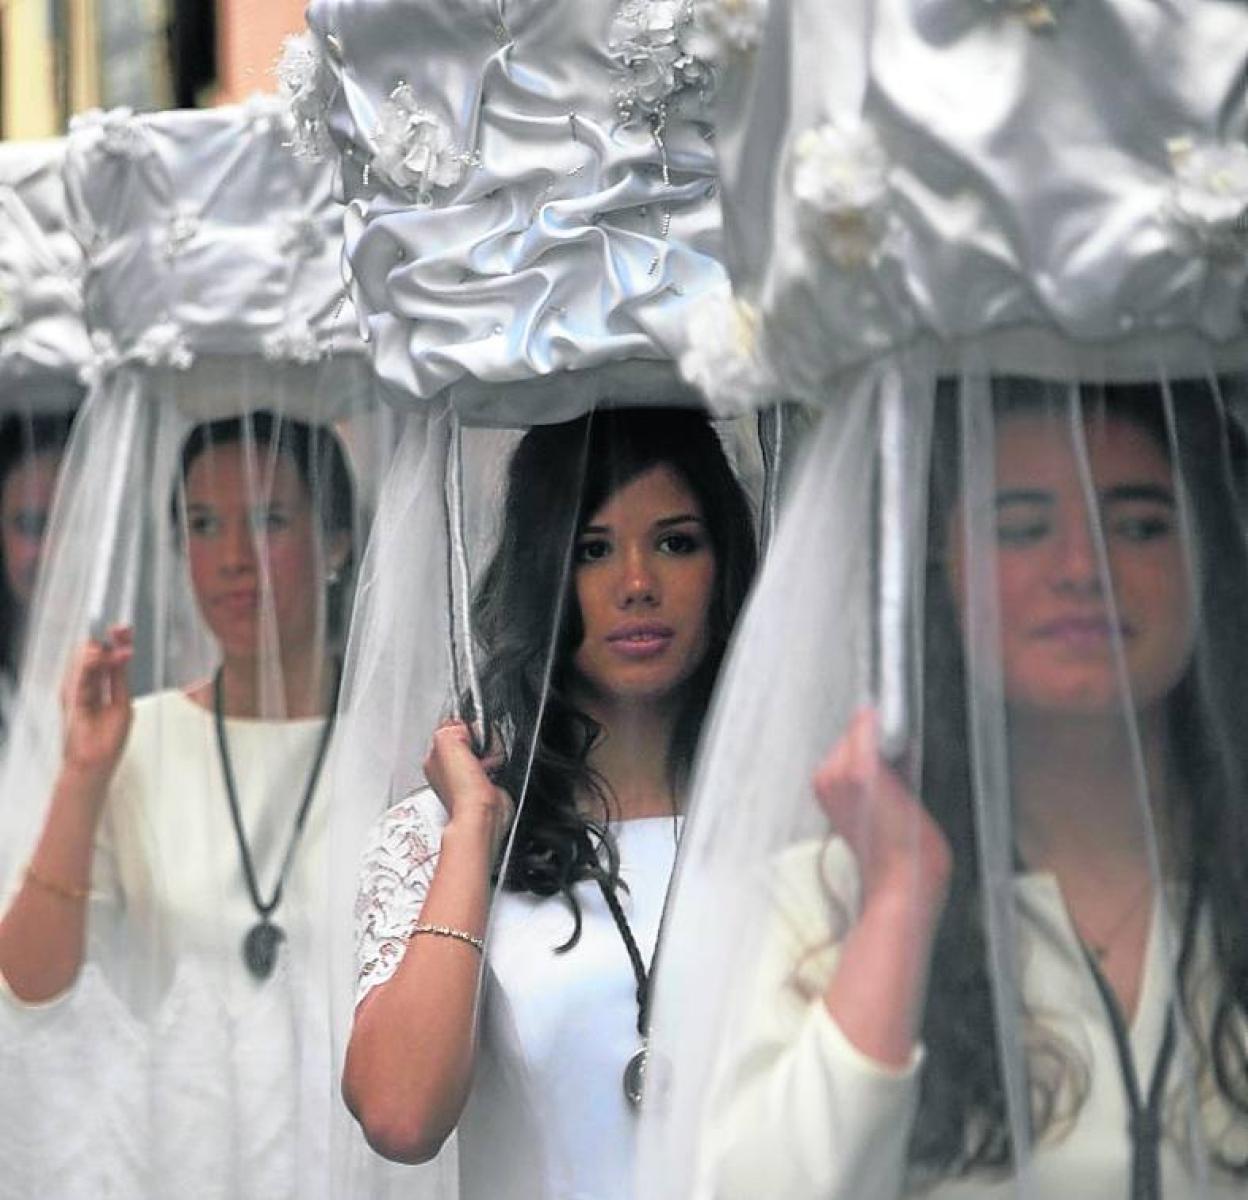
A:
[(635, 1077), (260, 948)]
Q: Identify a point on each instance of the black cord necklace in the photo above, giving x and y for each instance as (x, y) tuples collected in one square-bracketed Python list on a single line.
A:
[(1145, 1125), (634, 1078), (265, 937)]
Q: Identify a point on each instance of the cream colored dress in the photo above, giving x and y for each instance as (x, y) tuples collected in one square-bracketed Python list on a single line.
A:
[(801, 1114), (167, 1069)]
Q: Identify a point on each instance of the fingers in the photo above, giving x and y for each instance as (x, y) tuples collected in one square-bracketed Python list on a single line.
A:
[(98, 675), (853, 762)]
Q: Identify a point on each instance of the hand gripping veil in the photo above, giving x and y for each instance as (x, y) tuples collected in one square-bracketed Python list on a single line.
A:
[(978, 741), (214, 498), (532, 209)]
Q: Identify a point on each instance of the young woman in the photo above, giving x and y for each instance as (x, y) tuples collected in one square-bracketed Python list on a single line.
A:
[(594, 742), (30, 460), (868, 1063), (157, 804)]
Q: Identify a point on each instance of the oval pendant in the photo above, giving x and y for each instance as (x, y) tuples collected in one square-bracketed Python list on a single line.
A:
[(635, 1077), (260, 948)]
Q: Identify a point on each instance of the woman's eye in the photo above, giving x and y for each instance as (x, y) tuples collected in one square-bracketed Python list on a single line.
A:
[(1144, 528), (30, 523), (680, 543), (592, 550), (1021, 533), (202, 525), (269, 520)]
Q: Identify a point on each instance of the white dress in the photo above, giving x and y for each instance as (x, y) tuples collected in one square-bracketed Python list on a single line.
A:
[(800, 1113), (167, 1069), (547, 1118)]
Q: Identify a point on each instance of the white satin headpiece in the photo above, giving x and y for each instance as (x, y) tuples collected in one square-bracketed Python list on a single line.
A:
[(43, 342), (1059, 188), (532, 187), (207, 240)]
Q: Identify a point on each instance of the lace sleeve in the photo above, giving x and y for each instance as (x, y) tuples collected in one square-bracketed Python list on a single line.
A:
[(397, 869)]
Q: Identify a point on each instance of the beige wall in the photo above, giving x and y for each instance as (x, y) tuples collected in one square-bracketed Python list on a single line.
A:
[(29, 89), (249, 38)]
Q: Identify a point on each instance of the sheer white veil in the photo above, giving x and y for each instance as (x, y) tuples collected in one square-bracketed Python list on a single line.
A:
[(943, 220), (216, 309), (535, 267)]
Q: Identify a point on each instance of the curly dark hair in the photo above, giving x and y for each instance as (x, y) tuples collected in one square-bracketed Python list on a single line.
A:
[(961, 1124), (559, 476), (23, 437)]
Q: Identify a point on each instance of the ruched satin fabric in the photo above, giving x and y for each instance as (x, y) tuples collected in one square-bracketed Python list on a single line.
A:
[(178, 262), (43, 342), (1033, 208), (565, 245)]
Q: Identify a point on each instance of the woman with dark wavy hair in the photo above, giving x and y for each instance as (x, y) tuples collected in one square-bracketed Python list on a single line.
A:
[(30, 460), (871, 1065), (627, 540)]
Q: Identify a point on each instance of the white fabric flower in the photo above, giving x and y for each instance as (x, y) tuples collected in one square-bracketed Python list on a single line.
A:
[(306, 82), (650, 44), (301, 236), (263, 112), (842, 180), (104, 358), (414, 149), (722, 28), (120, 133), (1037, 15), (163, 345), (10, 308), (294, 342), (181, 231), (722, 360), (1208, 198)]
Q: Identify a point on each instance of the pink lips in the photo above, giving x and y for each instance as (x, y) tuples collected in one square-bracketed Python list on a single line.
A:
[(1091, 631), (240, 602), (641, 639)]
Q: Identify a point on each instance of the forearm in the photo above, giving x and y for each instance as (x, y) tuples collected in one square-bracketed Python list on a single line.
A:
[(877, 992), (808, 1117), (43, 932), (410, 1059)]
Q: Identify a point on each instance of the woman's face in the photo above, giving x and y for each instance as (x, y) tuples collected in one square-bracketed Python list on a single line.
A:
[(1062, 617), (645, 576), (253, 540), (25, 502)]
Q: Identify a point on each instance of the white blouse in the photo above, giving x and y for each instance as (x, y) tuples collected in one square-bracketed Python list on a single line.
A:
[(801, 1113), (183, 1073), (547, 1118)]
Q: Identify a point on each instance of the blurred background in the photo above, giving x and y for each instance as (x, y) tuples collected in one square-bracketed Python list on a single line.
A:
[(58, 57)]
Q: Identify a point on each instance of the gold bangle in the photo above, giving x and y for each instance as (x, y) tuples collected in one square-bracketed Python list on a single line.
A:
[(57, 889), (447, 931)]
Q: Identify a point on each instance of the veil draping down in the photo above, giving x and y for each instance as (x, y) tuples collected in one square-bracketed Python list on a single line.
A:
[(163, 1024), (530, 215), (43, 345), (968, 926)]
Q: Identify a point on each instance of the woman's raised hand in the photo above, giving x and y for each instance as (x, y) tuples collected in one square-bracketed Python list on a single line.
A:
[(463, 784), (900, 849), (95, 704)]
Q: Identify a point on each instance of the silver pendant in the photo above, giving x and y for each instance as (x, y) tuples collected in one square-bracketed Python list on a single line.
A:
[(260, 948), (635, 1076)]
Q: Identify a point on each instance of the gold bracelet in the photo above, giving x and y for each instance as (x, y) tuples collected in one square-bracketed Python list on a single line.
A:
[(447, 932), (57, 889)]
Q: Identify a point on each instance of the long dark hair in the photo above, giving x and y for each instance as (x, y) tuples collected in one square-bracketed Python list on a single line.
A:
[(322, 465), (23, 437), (961, 1125), (560, 475)]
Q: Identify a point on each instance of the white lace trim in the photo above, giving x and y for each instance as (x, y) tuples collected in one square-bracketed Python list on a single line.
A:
[(397, 870)]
